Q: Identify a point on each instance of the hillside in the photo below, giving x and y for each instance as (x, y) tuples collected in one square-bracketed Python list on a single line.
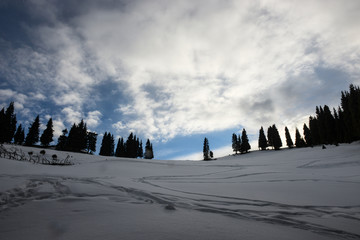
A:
[(307, 193)]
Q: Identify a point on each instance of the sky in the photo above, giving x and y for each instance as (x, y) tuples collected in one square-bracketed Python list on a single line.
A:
[(177, 71)]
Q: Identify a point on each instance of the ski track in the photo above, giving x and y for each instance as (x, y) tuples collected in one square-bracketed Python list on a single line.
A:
[(41, 188), (258, 210)]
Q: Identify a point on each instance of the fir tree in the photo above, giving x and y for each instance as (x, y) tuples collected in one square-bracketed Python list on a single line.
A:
[(299, 141), (140, 150), (107, 145), (307, 136), (235, 143), (262, 139), (120, 148), (77, 139), (238, 143), (314, 130), (277, 143), (131, 146), (289, 141), (103, 147), (245, 146), (7, 124), (19, 135), (270, 136), (62, 140), (91, 142), (33, 135), (206, 149), (47, 136), (149, 154)]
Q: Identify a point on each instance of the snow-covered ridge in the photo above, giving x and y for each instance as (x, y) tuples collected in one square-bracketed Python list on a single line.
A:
[(308, 193)]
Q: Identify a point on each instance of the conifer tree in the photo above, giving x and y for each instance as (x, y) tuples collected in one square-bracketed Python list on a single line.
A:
[(103, 147), (307, 136), (107, 145), (120, 148), (19, 135), (206, 149), (245, 146), (262, 139), (10, 123), (299, 141), (33, 135), (149, 154), (47, 136), (270, 136), (289, 141), (91, 142), (131, 146), (238, 143), (235, 143), (314, 130), (140, 150), (77, 139), (62, 140), (7, 124), (277, 143)]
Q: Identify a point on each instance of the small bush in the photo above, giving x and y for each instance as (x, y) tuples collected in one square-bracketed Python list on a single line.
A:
[(42, 152)]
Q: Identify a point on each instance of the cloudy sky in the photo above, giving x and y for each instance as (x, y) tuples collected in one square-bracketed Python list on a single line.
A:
[(177, 71)]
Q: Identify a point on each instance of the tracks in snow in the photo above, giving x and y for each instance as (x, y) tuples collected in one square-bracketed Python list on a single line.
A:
[(310, 218)]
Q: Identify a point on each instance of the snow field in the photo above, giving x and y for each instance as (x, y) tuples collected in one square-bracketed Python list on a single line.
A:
[(307, 193)]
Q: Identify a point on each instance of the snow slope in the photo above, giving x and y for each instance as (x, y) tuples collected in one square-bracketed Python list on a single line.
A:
[(307, 193)]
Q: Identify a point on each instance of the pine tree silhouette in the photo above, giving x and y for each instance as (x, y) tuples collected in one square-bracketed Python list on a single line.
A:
[(262, 139), (289, 141), (47, 136), (33, 135)]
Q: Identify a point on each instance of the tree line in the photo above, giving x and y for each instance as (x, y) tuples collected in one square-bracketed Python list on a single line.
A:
[(341, 125), (131, 148), (78, 139)]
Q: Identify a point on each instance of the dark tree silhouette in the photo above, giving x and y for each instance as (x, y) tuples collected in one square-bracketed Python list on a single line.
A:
[(120, 148), (275, 137), (206, 149), (270, 136), (234, 143), (91, 142), (299, 141), (7, 124), (140, 150), (308, 136), (107, 145), (77, 139), (19, 136), (132, 146), (62, 140), (262, 139), (314, 130), (245, 146), (289, 141), (47, 136), (149, 154), (33, 135)]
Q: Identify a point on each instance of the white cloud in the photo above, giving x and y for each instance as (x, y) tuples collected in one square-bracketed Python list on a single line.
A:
[(214, 60), (71, 116), (192, 66), (93, 119)]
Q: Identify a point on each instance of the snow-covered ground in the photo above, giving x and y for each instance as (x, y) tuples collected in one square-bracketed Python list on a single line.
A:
[(307, 193)]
